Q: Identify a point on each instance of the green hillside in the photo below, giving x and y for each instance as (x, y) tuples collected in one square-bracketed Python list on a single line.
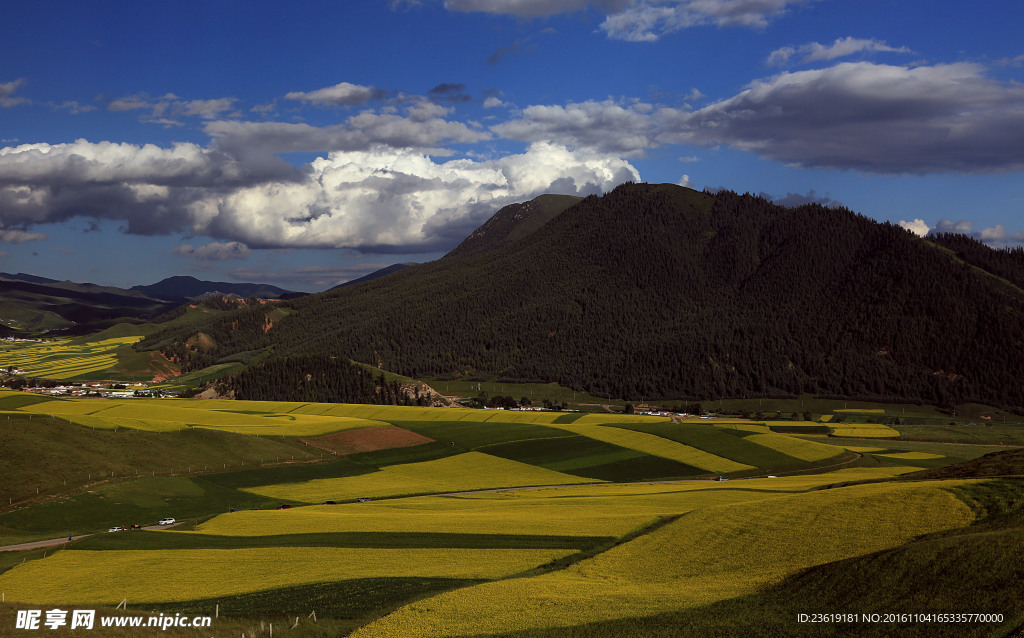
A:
[(657, 291)]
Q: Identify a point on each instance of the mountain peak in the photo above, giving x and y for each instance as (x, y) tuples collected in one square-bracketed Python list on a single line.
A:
[(513, 222)]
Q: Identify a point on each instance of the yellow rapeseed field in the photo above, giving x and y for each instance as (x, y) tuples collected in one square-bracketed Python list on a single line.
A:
[(107, 577), (166, 415), (596, 509), (61, 359), (864, 430), (711, 554), (912, 456), (655, 445), (620, 418), (468, 471), (797, 448)]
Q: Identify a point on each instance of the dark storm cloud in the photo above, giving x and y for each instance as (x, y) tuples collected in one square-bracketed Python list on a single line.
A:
[(870, 117)]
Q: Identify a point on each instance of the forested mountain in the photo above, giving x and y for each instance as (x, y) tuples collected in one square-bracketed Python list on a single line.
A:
[(184, 287), (657, 291), (511, 223), (387, 270)]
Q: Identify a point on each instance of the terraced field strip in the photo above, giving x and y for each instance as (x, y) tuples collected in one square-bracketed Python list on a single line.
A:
[(113, 423), (656, 446), (800, 448), (163, 415), (717, 441), (711, 554), (591, 419), (469, 471), (587, 457), (68, 407), (598, 509), (63, 358), (912, 456), (864, 430), (107, 577)]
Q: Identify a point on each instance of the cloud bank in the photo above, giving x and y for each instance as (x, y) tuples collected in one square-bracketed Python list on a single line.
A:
[(842, 47), (376, 199), (870, 117), (642, 20)]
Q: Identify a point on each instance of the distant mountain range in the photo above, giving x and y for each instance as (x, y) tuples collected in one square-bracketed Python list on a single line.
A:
[(658, 291), (33, 303), (182, 287)]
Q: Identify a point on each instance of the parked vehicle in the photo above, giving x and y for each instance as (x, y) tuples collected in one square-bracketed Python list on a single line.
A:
[(167, 521), (116, 528)]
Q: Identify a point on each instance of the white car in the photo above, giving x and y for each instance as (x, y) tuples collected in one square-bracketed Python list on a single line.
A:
[(116, 529), (166, 521)]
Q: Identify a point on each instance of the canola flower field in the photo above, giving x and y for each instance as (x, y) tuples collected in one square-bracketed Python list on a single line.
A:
[(553, 549), (714, 553), (468, 471), (90, 577), (730, 539), (62, 358), (162, 415)]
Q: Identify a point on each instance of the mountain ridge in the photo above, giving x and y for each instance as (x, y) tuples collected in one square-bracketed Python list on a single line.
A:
[(660, 291)]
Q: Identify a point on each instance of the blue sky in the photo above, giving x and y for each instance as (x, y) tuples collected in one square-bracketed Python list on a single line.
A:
[(305, 144)]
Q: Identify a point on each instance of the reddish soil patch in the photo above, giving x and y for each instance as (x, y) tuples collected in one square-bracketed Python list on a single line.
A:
[(367, 440)]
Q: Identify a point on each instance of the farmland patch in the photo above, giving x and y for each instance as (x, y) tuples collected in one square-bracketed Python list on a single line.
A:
[(469, 471), (657, 446), (89, 577), (367, 440), (712, 554)]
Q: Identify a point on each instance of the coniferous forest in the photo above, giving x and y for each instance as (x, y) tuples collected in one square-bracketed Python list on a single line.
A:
[(316, 379), (657, 291)]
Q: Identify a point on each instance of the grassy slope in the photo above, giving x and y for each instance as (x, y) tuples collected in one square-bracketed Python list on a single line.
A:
[(43, 452)]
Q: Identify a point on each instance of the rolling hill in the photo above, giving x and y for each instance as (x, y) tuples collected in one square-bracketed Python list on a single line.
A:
[(183, 287)]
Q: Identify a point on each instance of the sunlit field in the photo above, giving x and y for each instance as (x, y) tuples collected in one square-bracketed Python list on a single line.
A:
[(713, 553), (62, 358), (89, 577), (469, 471)]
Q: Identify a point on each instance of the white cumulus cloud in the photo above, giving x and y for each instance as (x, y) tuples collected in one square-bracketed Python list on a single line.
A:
[(648, 20), (386, 199), (917, 226), (341, 93), (605, 126)]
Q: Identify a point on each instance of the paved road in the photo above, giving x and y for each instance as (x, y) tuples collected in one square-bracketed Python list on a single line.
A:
[(40, 544), (64, 539)]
